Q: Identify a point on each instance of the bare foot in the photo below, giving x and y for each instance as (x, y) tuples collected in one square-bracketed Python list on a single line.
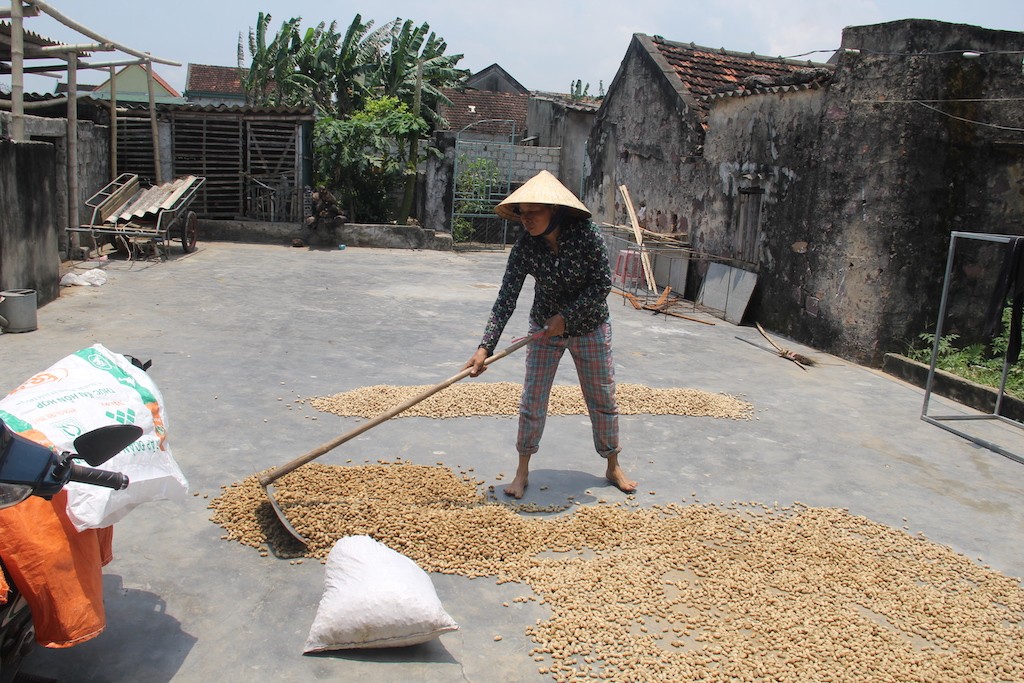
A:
[(617, 476), (517, 488)]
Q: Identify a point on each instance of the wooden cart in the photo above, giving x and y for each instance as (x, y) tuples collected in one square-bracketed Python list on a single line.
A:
[(129, 214)]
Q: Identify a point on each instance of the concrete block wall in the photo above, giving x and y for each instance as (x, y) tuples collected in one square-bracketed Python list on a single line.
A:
[(529, 161), (526, 162)]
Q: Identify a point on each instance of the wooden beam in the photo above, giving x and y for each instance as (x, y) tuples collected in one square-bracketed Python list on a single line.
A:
[(645, 258), (630, 298)]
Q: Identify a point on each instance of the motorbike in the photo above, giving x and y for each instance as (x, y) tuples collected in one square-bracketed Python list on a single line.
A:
[(28, 469)]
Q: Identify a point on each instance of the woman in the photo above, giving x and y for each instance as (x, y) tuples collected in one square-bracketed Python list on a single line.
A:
[(566, 255)]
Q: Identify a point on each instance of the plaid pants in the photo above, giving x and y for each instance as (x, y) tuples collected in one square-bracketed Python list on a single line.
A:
[(592, 354)]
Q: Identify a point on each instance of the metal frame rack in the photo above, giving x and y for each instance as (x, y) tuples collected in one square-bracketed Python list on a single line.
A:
[(941, 420)]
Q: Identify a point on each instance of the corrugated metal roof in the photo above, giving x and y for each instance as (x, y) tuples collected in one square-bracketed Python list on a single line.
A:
[(142, 107), (33, 41), (150, 201)]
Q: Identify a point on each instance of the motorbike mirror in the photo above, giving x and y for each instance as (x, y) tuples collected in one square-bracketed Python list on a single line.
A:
[(100, 445)]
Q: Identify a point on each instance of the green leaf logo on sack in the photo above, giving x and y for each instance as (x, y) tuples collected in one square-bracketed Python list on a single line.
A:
[(125, 417), (102, 362), (72, 429), (97, 360)]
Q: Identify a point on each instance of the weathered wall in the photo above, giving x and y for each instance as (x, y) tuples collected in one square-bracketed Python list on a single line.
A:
[(765, 146), (860, 183), (93, 165), (557, 123), (646, 137), (894, 177), (28, 228)]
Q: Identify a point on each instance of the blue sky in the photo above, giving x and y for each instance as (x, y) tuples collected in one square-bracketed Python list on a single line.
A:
[(544, 44)]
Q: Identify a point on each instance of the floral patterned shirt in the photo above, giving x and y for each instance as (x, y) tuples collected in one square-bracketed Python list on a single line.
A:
[(575, 282)]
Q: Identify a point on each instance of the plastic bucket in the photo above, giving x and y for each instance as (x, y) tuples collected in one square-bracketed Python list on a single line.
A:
[(19, 309)]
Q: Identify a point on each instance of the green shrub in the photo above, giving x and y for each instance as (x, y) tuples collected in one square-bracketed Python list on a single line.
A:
[(978, 363)]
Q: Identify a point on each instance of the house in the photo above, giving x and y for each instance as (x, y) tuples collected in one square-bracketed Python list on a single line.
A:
[(131, 85), (561, 121), (836, 186), (486, 115), (214, 85), (496, 79)]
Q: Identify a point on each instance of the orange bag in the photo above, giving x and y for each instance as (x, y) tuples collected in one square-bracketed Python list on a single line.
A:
[(57, 568)]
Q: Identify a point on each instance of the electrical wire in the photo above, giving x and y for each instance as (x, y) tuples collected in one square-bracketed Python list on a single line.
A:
[(971, 121), (978, 53)]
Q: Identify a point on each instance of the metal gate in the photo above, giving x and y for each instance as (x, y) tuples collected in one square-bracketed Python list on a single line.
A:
[(482, 177)]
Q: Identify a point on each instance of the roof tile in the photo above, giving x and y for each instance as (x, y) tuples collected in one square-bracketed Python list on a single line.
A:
[(706, 72), (473, 106)]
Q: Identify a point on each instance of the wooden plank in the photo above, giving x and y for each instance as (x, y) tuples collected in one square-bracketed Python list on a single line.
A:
[(645, 258), (118, 198), (630, 298)]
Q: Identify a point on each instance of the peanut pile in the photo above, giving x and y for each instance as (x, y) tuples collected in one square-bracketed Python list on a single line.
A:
[(678, 592), (502, 398)]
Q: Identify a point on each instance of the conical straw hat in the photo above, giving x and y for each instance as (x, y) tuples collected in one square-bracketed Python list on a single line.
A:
[(543, 188)]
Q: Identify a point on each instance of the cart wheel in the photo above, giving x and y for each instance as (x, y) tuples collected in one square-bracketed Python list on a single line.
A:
[(189, 232)]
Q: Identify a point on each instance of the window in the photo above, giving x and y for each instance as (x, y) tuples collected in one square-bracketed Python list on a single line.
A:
[(748, 220)]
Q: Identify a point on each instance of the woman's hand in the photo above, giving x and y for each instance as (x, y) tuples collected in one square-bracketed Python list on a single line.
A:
[(477, 362), (555, 326)]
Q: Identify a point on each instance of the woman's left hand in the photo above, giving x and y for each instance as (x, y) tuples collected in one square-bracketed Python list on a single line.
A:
[(555, 326)]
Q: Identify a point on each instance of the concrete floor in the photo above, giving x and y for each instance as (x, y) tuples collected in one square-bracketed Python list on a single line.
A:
[(232, 328)]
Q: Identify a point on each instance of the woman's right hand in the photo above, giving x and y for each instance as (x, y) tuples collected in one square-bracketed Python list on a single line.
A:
[(477, 362)]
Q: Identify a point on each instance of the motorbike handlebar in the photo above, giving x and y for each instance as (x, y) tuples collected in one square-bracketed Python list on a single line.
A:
[(91, 475)]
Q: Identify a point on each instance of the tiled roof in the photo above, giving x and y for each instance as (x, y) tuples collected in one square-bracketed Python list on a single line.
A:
[(205, 78), (472, 106), (707, 72)]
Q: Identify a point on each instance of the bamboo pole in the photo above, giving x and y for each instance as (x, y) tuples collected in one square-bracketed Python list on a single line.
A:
[(72, 140), (85, 31), (113, 122), (154, 129), (645, 258), (17, 72)]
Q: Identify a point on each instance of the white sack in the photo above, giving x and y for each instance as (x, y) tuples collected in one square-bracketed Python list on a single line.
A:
[(92, 388), (375, 597), (90, 278)]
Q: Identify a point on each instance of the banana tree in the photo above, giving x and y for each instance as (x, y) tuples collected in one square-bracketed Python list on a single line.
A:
[(415, 71), (274, 77), (357, 64)]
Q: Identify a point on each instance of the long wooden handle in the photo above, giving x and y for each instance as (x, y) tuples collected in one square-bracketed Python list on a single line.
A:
[(270, 477)]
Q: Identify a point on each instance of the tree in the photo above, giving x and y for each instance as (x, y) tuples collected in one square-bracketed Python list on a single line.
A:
[(359, 157), (360, 54), (344, 74), (416, 68), (273, 77), (316, 58)]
